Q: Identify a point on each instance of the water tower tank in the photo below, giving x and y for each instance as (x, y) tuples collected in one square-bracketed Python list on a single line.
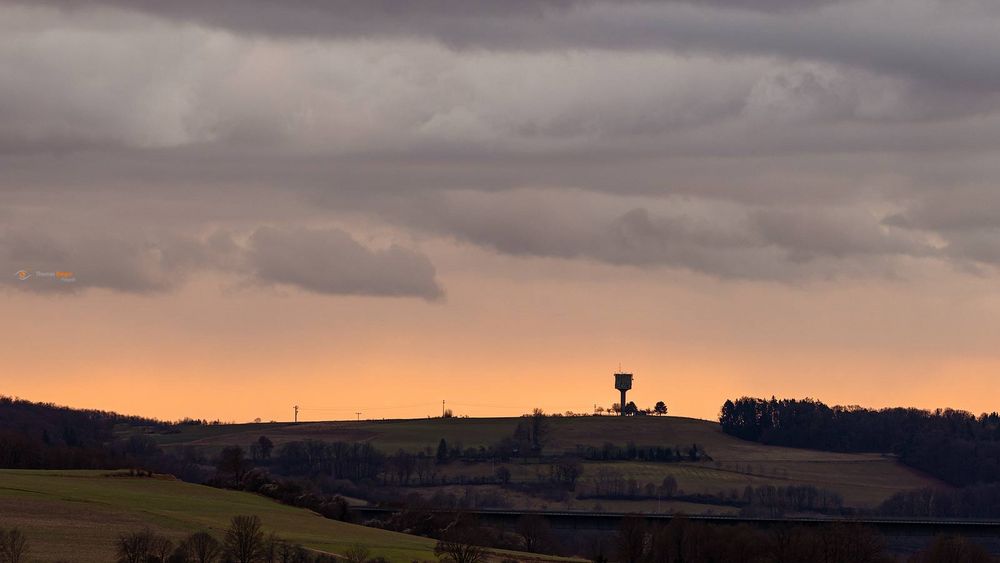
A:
[(623, 382)]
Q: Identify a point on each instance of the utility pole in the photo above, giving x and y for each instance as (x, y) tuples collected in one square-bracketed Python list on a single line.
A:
[(296, 413), (442, 408), (359, 416)]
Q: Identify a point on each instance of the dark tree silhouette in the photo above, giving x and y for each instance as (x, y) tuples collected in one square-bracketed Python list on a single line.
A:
[(13, 546), (669, 486), (630, 541), (137, 547), (949, 549), (539, 430), (458, 551), (202, 547), (244, 539), (566, 471), (660, 408), (536, 533), (357, 553), (266, 446), (461, 542), (952, 445), (160, 548), (442, 451), (232, 463)]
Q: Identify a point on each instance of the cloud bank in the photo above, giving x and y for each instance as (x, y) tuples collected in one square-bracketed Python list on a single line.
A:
[(769, 141)]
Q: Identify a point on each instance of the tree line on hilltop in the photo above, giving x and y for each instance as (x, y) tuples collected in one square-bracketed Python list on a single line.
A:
[(952, 445)]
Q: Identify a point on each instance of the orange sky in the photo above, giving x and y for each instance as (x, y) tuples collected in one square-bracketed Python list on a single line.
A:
[(510, 336)]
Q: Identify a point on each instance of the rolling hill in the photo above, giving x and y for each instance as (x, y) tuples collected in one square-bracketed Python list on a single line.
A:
[(863, 480), (76, 516)]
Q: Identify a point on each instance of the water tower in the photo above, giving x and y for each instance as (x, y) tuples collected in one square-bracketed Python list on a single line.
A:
[(623, 382)]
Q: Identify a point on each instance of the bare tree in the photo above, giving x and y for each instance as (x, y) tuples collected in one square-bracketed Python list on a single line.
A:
[(271, 550), (535, 532), (202, 547), (13, 546), (458, 544), (133, 547), (160, 548), (567, 470), (631, 539), (357, 554), (458, 552), (244, 539)]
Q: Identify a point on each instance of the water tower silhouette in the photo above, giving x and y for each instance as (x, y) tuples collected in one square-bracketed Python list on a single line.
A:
[(623, 382)]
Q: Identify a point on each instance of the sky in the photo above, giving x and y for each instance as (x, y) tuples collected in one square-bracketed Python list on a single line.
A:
[(224, 209)]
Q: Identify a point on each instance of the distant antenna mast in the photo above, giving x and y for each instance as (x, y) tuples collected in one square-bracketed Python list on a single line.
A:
[(296, 413), (442, 408), (359, 416)]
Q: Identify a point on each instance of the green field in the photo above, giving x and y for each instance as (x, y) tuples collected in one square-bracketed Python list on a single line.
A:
[(76, 516), (862, 479)]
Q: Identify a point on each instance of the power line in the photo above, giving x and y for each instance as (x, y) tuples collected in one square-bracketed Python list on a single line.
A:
[(341, 409)]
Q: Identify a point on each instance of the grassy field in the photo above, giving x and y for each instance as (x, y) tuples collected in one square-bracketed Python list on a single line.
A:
[(76, 516), (862, 479)]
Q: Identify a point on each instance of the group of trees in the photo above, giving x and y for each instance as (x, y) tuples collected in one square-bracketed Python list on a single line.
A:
[(977, 501), (761, 500), (953, 445), (630, 409), (356, 461), (46, 436), (769, 500), (244, 542), (613, 484), (684, 541), (13, 546), (632, 452), (461, 537)]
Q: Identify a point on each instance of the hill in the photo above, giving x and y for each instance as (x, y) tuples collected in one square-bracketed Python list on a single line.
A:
[(862, 479), (76, 515)]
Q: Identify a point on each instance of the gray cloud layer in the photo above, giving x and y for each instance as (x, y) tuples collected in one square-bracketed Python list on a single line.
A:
[(928, 39), (332, 262), (770, 140), (323, 261)]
